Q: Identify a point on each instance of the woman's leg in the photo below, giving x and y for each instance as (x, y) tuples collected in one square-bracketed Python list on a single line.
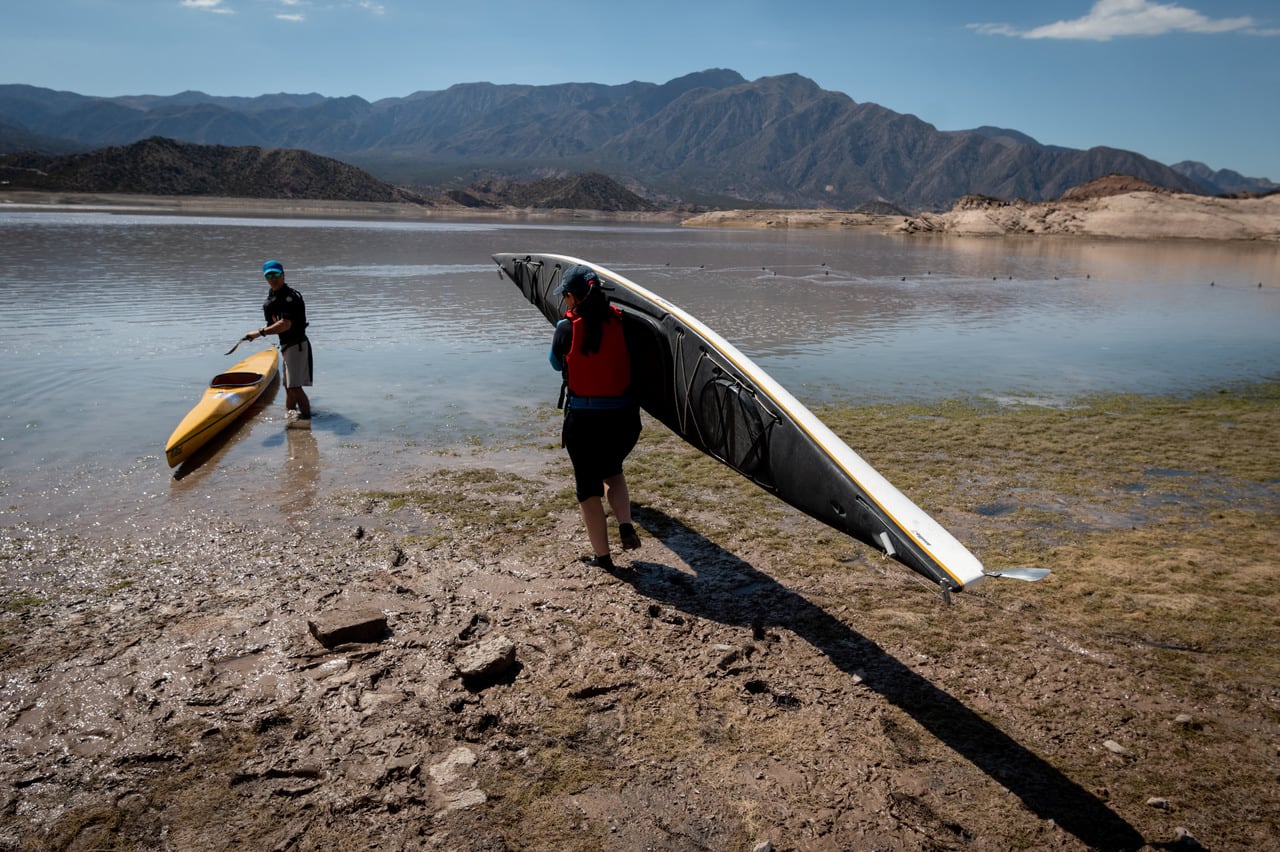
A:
[(597, 529), (615, 491)]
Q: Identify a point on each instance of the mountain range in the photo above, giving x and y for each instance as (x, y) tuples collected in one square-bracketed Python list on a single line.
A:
[(710, 138), (167, 167)]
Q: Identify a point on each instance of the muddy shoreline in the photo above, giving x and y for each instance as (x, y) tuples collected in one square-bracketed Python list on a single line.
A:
[(305, 208), (748, 677)]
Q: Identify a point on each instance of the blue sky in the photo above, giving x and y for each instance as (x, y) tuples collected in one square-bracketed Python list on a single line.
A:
[(1171, 79)]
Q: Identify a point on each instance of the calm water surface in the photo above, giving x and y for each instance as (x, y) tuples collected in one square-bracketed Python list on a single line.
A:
[(113, 323)]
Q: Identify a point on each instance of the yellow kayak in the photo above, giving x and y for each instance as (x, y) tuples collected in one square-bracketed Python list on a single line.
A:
[(228, 396)]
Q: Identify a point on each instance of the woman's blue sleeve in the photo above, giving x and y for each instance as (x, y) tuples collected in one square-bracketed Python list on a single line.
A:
[(559, 341)]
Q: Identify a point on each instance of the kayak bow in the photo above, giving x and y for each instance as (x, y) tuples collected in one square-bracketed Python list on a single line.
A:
[(228, 396)]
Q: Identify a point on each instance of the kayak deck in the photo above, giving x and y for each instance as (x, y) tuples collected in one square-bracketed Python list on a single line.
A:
[(228, 396), (236, 380)]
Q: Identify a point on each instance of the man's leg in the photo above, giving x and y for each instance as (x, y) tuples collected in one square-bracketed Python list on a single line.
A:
[(296, 399)]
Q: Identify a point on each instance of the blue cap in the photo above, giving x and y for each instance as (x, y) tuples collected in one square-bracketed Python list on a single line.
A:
[(577, 280), (272, 266)]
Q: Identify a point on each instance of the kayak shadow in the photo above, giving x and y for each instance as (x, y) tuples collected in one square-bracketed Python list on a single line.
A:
[(727, 589)]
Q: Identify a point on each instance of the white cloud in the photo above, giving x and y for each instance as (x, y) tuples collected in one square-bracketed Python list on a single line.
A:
[(1110, 19), (370, 6), (214, 6), (292, 8), (291, 17)]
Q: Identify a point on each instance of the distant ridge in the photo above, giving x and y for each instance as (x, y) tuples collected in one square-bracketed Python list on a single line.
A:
[(710, 138), (160, 166), (1225, 181)]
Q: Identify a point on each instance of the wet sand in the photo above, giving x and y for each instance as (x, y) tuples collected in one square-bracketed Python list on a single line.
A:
[(747, 677)]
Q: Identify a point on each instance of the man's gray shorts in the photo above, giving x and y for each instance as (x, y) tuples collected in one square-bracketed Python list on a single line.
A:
[(297, 365)]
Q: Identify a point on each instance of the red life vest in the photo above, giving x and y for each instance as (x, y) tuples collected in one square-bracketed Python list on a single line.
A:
[(605, 372)]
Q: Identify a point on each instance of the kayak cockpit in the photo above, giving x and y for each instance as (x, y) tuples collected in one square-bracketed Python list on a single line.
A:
[(235, 380)]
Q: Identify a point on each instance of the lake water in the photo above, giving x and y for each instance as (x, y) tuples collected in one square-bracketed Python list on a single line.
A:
[(113, 323)]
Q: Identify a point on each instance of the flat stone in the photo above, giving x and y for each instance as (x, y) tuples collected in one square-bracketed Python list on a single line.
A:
[(465, 799), (338, 627), (486, 658), (1117, 749), (454, 765)]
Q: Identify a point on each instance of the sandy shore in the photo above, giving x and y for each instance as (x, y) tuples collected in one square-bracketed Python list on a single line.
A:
[(1130, 216), (794, 219), (749, 679)]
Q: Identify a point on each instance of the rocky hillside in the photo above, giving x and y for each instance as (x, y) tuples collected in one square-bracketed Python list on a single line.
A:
[(1110, 185), (15, 139), (589, 191), (159, 166), (167, 168)]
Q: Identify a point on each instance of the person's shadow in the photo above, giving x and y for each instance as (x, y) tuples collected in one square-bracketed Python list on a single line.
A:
[(728, 590)]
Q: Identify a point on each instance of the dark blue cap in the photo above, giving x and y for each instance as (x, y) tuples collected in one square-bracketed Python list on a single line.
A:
[(577, 280), (272, 266)]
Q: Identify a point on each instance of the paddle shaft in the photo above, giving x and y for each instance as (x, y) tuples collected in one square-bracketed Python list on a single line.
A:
[(237, 346)]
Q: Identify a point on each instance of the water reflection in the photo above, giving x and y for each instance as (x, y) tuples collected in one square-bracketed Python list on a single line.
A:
[(419, 342), (301, 481)]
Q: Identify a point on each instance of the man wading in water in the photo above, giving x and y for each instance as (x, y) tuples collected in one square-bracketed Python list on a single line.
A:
[(286, 315)]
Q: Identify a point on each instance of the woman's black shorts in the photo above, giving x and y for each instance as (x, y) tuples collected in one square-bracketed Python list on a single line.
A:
[(598, 440)]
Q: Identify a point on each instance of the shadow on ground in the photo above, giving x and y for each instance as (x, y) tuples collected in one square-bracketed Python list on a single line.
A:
[(728, 590)]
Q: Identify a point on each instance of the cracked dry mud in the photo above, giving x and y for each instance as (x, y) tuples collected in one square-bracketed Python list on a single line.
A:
[(748, 677)]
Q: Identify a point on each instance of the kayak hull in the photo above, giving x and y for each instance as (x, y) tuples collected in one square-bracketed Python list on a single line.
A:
[(715, 398), (228, 396)]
